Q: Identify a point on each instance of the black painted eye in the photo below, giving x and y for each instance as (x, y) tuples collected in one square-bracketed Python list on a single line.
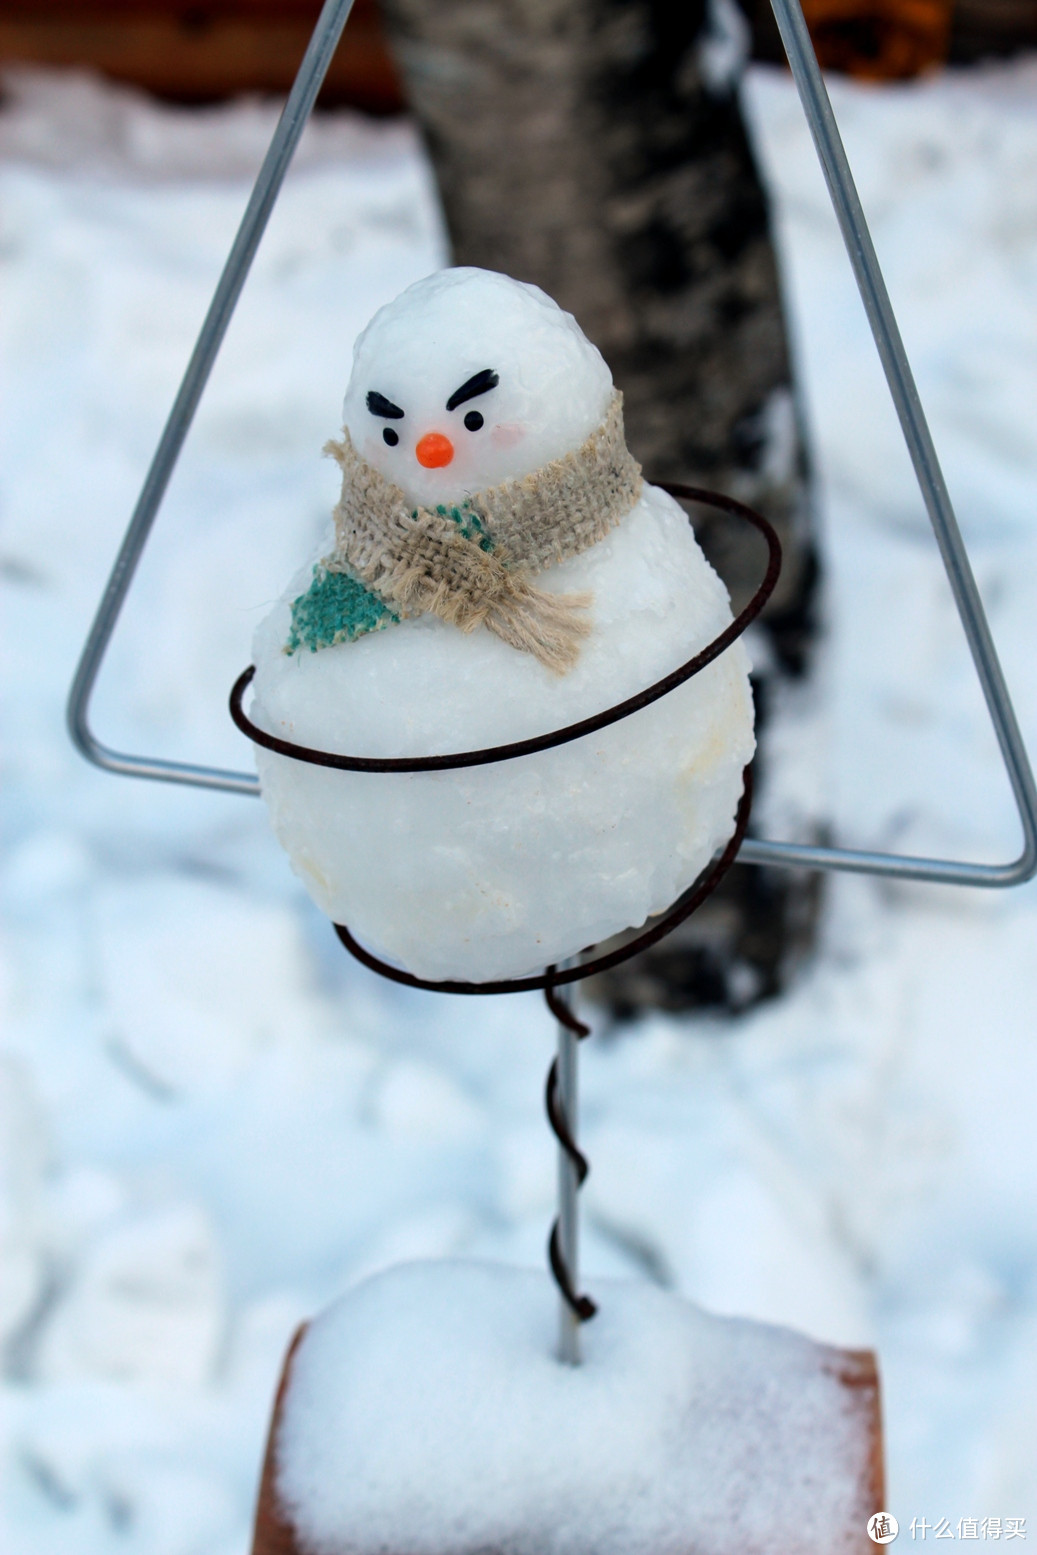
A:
[(390, 437), (473, 421)]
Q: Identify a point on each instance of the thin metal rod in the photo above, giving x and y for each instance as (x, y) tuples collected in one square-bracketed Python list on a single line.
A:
[(290, 126), (864, 261), (569, 1174), (563, 1246), (896, 866), (569, 1347)]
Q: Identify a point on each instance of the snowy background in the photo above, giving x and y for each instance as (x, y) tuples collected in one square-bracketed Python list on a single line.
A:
[(211, 1122)]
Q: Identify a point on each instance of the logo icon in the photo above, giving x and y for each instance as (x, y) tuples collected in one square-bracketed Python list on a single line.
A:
[(883, 1528)]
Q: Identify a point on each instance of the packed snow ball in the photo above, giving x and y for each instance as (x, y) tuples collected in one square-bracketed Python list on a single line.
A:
[(417, 352), (466, 381)]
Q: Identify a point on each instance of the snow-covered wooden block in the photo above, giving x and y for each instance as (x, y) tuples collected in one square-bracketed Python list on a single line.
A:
[(425, 1413)]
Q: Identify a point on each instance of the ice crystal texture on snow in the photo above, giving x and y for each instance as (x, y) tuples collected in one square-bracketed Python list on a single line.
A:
[(497, 871)]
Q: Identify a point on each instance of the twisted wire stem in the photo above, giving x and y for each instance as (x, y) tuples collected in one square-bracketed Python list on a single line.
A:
[(562, 1247)]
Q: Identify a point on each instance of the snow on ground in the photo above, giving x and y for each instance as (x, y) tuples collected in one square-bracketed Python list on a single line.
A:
[(211, 1122)]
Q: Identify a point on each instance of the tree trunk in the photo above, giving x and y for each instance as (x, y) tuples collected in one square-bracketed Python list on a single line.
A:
[(597, 148)]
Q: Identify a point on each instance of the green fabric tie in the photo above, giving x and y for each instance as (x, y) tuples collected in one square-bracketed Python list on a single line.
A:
[(335, 609)]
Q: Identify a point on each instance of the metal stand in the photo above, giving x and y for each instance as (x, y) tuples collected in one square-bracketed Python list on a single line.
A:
[(865, 265), (562, 1087), (568, 1188), (563, 1248)]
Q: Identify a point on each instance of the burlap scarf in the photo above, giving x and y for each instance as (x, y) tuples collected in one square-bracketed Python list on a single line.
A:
[(470, 563)]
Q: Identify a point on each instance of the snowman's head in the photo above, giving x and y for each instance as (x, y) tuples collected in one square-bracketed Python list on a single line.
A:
[(468, 379)]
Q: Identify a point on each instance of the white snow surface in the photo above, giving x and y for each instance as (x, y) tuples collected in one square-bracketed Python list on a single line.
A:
[(212, 1119), (426, 1411)]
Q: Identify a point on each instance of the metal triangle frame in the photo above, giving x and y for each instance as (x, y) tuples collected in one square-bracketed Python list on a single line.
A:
[(832, 156)]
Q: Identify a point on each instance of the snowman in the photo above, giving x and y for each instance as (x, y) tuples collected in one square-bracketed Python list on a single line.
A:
[(497, 569)]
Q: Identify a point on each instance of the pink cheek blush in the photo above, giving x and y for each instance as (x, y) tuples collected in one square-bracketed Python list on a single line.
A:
[(507, 434)]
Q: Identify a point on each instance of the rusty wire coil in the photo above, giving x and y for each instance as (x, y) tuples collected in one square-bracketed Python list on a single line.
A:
[(580, 1304), (574, 731)]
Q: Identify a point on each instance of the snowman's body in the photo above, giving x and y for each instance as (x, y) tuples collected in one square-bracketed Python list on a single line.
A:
[(496, 871)]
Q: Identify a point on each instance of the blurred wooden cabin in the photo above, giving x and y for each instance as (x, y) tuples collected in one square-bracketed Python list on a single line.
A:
[(196, 51), (890, 40), (205, 50)]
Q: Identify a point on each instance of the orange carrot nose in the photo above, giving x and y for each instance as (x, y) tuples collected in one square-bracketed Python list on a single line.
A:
[(434, 450)]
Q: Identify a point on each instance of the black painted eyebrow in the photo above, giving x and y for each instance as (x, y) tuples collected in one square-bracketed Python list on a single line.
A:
[(479, 383), (378, 405)]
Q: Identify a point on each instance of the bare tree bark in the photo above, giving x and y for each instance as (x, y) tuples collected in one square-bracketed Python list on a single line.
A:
[(597, 148)]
